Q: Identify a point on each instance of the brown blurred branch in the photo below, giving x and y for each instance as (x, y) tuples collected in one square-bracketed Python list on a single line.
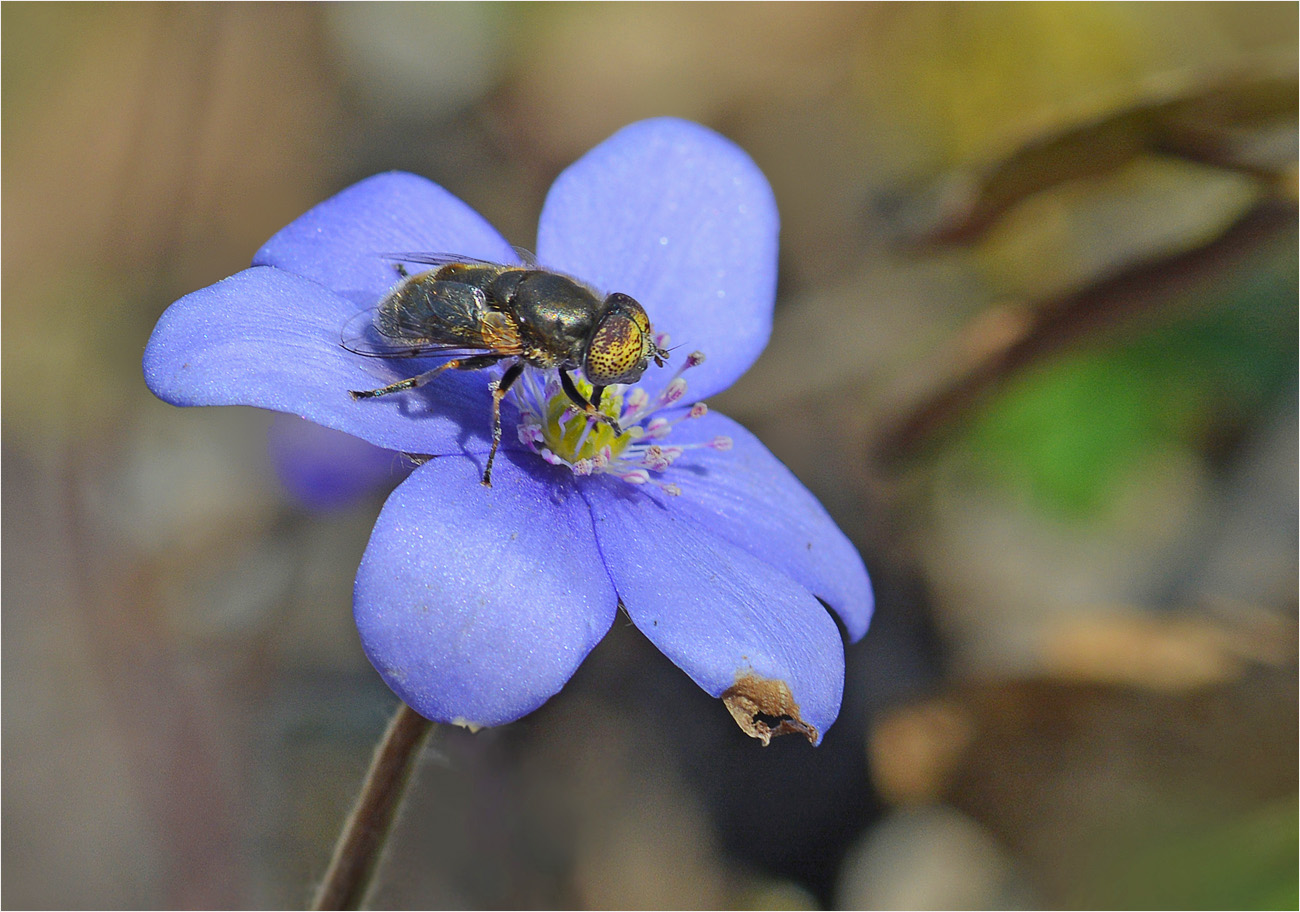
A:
[(1055, 324), (1210, 124)]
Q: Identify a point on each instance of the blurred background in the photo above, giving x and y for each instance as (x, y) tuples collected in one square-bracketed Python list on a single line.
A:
[(1035, 348)]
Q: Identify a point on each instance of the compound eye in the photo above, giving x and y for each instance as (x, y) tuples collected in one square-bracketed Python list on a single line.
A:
[(617, 353)]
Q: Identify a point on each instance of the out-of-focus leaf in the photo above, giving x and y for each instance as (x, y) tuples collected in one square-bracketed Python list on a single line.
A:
[(1066, 432), (1244, 863), (1224, 124), (992, 351)]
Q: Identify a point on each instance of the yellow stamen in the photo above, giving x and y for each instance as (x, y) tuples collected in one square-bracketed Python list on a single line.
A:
[(565, 430)]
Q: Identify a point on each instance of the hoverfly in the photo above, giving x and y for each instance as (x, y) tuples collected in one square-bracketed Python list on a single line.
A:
[(482, 313)]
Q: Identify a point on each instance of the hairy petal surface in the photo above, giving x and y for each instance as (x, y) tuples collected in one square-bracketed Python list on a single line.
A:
[(342, 242), (477, 604), (681, 219), (722, 615), (268, 338), (747, 496)]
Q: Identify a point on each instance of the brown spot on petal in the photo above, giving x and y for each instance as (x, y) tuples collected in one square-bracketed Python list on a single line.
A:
[(765, 708)]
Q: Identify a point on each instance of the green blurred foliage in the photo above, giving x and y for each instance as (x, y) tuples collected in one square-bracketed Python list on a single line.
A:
[(1247, 862), (1065, 433)]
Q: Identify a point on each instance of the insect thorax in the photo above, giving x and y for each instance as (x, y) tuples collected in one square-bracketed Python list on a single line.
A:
[(556, 316)]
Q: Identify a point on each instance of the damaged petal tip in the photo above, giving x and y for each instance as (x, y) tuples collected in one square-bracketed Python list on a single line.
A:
[(474, 727), (765, 708)]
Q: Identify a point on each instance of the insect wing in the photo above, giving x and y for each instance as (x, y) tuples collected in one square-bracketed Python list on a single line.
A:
[(422, 317), (361, 337), (526, 258), (439, 259)]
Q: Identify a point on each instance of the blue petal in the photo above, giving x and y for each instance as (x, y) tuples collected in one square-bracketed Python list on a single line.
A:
[(341, 243), (324, 469), (747, 496), (726, 618), (681, 219), (477, 604), (267, 338)]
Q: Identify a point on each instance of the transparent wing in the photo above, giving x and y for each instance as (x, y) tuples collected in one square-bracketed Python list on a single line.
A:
[(421, 318), (438, 259), (361, 336), (526, 258)]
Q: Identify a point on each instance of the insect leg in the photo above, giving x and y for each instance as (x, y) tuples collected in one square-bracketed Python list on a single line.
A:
[(499, 390), (588, 408), (478, 362)]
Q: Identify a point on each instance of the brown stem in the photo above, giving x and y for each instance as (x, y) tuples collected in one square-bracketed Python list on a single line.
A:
[(356, 855)]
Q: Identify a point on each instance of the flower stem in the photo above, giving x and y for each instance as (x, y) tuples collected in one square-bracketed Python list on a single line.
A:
[(356, 855)]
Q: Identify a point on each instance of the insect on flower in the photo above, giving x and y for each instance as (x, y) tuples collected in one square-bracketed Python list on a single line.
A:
[(477, 604), (480, 313)]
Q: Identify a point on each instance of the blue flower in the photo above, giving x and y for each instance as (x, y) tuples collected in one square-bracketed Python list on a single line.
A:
[(476, 604)]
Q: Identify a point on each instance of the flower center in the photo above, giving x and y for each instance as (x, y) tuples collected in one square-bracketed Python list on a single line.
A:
[(573, 438), (554, 428)]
